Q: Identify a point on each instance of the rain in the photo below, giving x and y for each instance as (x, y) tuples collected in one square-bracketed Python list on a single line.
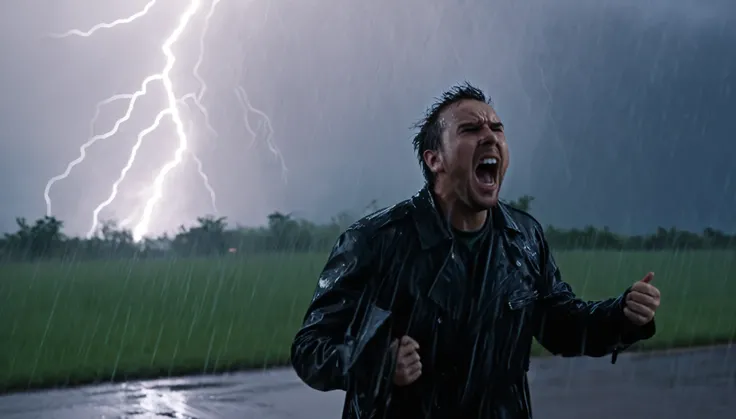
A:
[(176, 173)]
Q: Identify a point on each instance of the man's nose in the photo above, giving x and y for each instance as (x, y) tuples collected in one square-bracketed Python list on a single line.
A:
[(489, 137)]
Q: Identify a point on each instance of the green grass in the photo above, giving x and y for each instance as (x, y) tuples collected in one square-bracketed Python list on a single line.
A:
[(63, 324)]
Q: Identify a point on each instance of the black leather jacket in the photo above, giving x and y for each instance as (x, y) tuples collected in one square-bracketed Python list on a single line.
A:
[(395, 273)]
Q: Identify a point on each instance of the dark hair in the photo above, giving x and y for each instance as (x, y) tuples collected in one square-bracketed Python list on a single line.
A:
[(429, 136)]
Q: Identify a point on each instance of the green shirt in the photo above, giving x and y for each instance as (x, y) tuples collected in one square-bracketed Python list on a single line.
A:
[(470, 239)]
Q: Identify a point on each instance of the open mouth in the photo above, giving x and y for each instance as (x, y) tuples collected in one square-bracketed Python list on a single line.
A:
[(487, 171)]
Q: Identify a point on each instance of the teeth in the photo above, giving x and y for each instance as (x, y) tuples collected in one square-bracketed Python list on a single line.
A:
[(490, 160)]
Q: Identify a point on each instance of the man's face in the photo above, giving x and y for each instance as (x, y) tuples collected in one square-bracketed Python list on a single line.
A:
[(474, 155)]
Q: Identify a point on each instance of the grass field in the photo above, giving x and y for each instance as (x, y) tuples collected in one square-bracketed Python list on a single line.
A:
[(64, 324)]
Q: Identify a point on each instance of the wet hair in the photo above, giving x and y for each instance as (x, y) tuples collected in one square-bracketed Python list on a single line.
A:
[(429, 134)]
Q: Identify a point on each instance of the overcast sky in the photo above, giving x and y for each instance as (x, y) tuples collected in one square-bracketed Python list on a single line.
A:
[(618, 113)]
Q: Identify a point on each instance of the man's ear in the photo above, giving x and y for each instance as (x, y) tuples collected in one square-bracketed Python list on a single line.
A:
[(433, 160)]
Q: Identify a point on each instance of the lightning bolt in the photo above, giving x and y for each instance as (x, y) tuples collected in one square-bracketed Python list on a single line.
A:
[(110, 25), (171, 111), (242, 97), (200, 166), (195, 71)]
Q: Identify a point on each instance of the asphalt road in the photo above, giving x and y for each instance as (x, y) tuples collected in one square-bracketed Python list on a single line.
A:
[(695, 384)]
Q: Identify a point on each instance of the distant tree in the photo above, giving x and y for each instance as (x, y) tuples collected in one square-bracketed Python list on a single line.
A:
[(207, 238), (42, 239), (371, 207), (523, 203), (343, 219), (211, 236), (289, 234)]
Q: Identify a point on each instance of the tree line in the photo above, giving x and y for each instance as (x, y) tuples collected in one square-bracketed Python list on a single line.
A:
[(212, 236)]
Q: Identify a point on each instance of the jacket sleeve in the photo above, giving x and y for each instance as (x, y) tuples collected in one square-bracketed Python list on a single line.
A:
[(569, 326), (341, 320)]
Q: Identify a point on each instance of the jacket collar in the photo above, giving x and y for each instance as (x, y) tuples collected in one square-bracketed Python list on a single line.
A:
[(433, 228)]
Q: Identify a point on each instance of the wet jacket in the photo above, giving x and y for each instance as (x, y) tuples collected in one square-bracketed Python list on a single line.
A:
[(396, 273)]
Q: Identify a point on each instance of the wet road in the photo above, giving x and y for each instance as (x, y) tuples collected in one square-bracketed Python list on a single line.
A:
[(675, 385)]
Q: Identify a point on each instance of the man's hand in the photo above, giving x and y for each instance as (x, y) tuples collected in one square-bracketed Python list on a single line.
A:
[(642, 301), (408, 364)]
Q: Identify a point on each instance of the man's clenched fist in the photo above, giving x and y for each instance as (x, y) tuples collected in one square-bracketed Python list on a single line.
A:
[(642, 301), (408, 364)]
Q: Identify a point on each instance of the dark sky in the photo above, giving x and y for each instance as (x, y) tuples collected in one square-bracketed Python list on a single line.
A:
[(618, 113)]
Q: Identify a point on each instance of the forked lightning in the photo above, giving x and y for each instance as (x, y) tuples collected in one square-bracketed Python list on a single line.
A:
[(174, 101)]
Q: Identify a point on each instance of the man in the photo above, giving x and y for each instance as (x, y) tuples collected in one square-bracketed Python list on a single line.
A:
[(428, 309)]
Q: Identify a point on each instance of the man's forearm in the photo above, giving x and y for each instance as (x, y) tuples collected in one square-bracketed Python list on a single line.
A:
[(572, 327), (319, 361)]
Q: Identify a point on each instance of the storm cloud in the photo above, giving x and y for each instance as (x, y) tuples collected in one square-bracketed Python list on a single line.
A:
[(618, 113)]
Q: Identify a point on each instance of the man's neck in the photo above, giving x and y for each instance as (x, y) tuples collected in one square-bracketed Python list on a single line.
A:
[(460, 216)]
